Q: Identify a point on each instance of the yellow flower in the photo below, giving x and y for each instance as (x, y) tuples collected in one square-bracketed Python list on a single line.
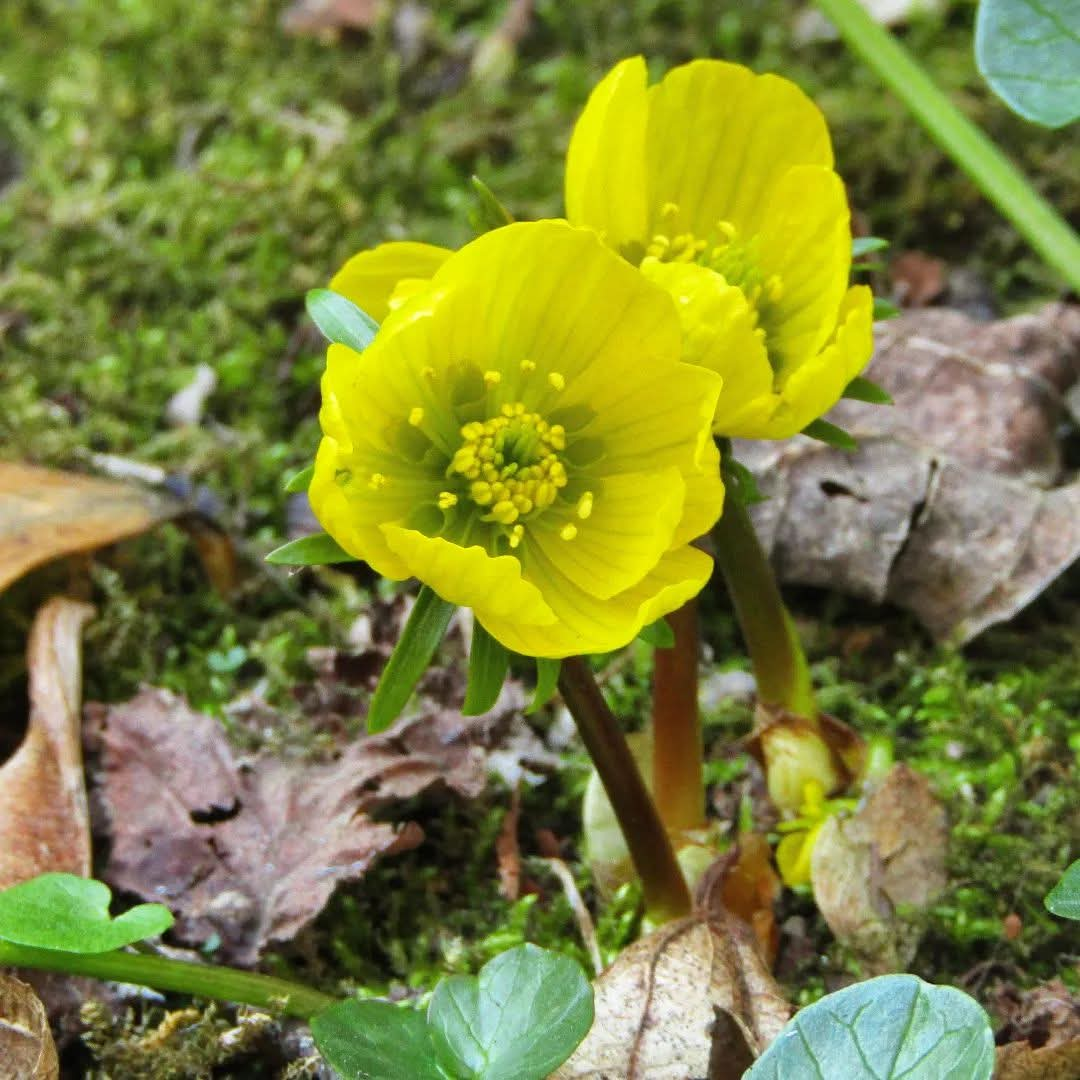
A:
[(794, 852), (523, 437), (719, 185)]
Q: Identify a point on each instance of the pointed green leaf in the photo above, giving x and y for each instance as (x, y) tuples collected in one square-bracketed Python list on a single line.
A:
[(861, 389), (547, 682), (1029, 53), (741, 483), (375, 1040), (866, 245), (884, 309), (491, 212), (883, 1029), (828, 433), (519, 1019), (658, 634), (427, 623), (299, 481), (318, 550), (66, 913), (340, 320), (489, 662), (1064, 898)]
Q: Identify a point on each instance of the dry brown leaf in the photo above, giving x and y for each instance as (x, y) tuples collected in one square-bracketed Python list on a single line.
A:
[(750, 888), (252, 849), (917, 278), (1019, 1061), (45, 514), (889, 854), (508, 850), (44, 824), (661, 1005), (330, 17), (949, 507), (27, 1050), (1046, 1015)]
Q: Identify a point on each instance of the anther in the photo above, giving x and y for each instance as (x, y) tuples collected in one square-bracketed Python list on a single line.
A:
[(416, 416), (527, 366), (557, 380), (492, 378), (568, 531), (446, 500), (584, 506), (376, 481), (516, 533)]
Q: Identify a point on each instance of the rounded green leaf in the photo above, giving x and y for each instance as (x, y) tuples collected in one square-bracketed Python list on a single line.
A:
[(66, 913), (519, 1019), (1029, 53), (375, 1040), (1064, 898), (883, 1029)]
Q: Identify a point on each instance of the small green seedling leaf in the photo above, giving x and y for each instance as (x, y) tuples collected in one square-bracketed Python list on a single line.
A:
[(860, 389), (828, 433), (1064, 898), (867, 245), (66, 913), (488, 664), (519, 1019), (547, 682), (340, 320), (491, 212), (883, 310), (890, 1027), (427, 623), (1029, 53), (317, 550), (375, 1040), (742, 484), (658, 634), (299, 481)]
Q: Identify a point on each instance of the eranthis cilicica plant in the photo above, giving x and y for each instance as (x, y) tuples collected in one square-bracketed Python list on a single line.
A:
[(524, 438)]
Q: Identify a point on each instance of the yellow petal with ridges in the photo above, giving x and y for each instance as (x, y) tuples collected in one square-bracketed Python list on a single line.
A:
[(718, 139), (605, 163), (632, 521), (587, 624), (491, 585), (370, 278), (806, 242), (818, 384)]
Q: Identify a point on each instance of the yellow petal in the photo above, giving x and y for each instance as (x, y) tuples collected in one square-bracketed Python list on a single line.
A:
[(720, 333), (817, 384), (370, 278), (587, 624), (793, 856), (633, 519), (806, 242), (492, 586), (605, 164), (718, 138)]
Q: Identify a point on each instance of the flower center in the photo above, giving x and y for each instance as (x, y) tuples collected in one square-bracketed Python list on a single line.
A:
[(511, 465)]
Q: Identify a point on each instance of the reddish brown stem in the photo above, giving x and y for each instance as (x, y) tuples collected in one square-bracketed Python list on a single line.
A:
[(678, 770)]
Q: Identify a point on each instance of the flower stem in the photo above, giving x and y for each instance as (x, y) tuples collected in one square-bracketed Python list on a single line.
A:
[(161, 973), (666, 894), (970, 148), (678, 770), (780, 668)]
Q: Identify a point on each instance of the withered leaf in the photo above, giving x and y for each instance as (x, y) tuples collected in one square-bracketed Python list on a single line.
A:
[(329, 17), (1021, 1061), (954, 506), (44, 823), (657, 1005), (45, 514), (889, 854), (27, 1050), (251, 850)]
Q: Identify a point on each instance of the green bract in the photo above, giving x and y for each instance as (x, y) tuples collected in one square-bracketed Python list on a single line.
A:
[(883, 1029), (1029, 53), (65, 913), (1064, 898), (519, 1019)]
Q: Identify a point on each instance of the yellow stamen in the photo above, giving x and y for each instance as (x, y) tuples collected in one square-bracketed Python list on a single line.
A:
[(446, 500), (376, 481), (528, 366), (568, 532), (416, 416), (584, 506), (516, 533), (492, 378), (557, 380)]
